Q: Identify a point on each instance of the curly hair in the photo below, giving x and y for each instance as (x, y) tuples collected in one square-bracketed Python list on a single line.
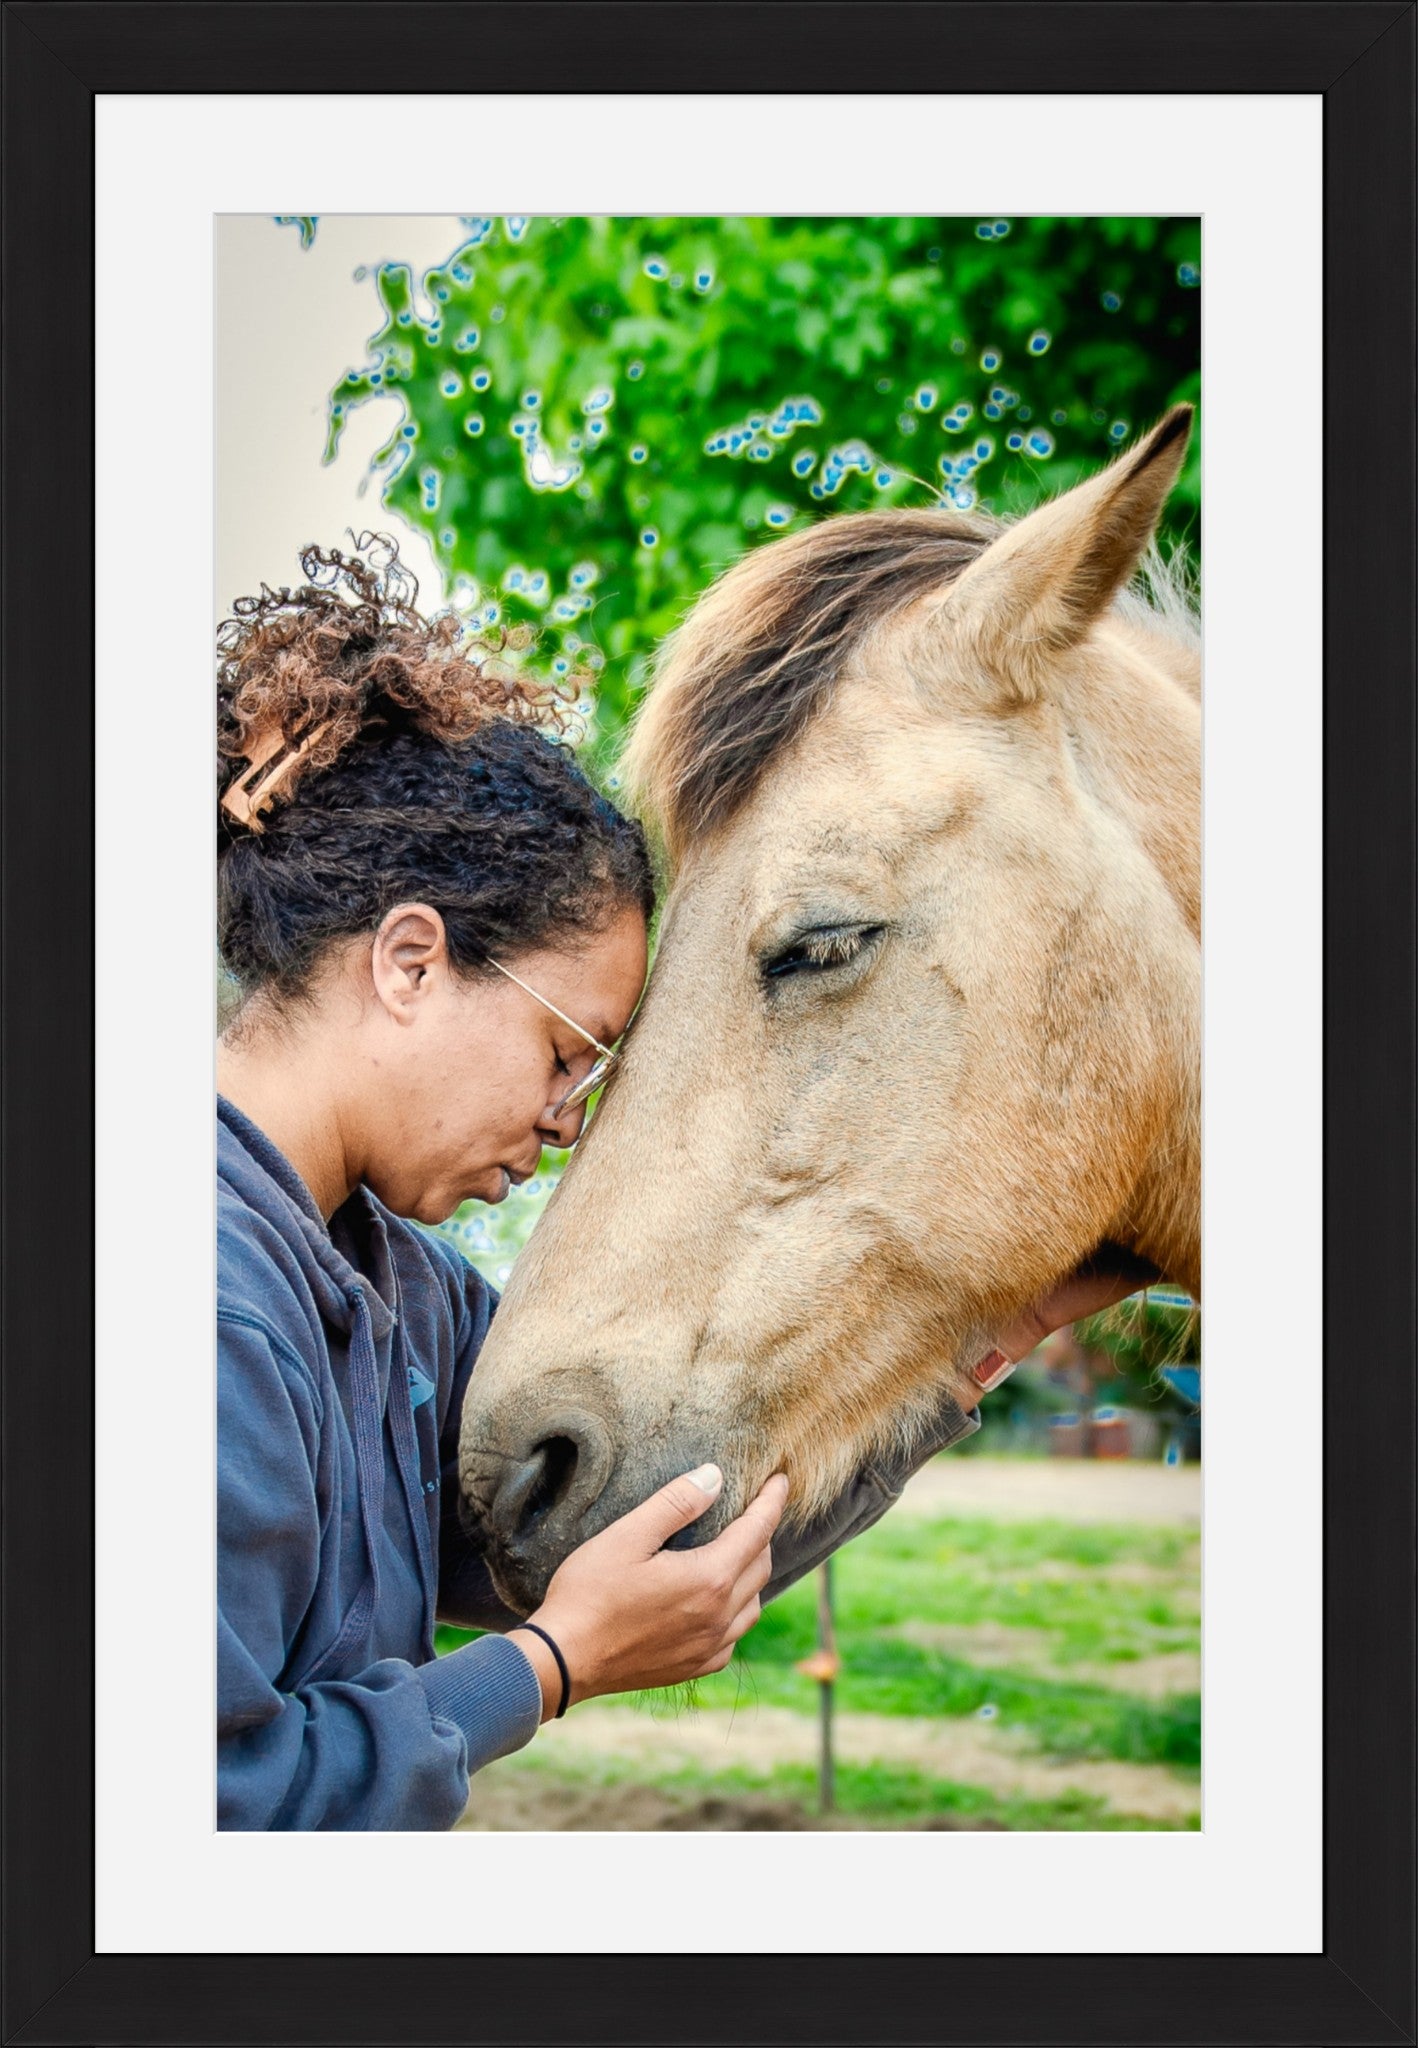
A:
[(433, 781)]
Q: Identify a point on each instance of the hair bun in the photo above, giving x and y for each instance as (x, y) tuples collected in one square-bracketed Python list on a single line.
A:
[(302, 672)]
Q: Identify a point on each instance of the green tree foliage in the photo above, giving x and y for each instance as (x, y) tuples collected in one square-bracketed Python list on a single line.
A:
[(599, 415), (1141, 1333)]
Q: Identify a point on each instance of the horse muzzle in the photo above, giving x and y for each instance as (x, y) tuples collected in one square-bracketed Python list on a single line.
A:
[(538, 1482), (529, 1490)]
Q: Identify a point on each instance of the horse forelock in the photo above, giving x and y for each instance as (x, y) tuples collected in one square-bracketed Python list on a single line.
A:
[(759, 654)]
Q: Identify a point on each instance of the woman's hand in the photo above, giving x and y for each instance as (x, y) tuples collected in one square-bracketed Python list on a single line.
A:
[(1094, 1286), (627, 1613)]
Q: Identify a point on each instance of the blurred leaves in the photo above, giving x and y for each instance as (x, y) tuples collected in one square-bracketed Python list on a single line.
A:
[(598, 415), (1141, 1333)]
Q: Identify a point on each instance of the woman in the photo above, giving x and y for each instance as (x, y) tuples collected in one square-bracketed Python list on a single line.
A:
[(419, 893), (437, 929)]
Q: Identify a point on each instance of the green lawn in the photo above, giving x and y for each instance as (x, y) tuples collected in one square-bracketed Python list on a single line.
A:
[(1040, 1628)]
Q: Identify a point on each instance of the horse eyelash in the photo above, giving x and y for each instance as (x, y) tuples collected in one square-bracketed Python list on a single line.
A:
[(831, 946), (832, 949)]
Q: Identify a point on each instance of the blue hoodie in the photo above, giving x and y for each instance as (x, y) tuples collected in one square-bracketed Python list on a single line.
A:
[(343, 1357)]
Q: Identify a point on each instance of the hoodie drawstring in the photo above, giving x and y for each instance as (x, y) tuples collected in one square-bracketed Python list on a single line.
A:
[(368, 1431), (406, 1452)]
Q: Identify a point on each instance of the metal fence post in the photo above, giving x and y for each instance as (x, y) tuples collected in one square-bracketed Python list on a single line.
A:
[(823, 1665), (827, 1645)]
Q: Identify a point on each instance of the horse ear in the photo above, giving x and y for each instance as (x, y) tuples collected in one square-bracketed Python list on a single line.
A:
[(1037, 589)]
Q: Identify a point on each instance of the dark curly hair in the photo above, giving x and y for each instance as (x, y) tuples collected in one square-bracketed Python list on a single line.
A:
[(433, 781)]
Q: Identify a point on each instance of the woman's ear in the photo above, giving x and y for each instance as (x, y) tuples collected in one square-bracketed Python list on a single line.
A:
[(409, 959)]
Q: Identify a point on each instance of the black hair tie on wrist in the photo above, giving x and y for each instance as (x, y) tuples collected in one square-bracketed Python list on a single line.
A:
[(560, 1665)]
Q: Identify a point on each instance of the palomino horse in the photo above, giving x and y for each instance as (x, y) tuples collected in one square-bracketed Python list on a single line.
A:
[(923, 1033)]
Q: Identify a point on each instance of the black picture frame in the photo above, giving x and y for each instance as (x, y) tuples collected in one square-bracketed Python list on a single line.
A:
[(58, 54)]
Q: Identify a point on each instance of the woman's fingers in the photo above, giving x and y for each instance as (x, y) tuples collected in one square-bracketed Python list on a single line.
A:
[(739, 1627), (752, 1579), (745, 1549), (1094, 1286), (734, 1548), (745, 1618), (650, 1526), (629, 1614)]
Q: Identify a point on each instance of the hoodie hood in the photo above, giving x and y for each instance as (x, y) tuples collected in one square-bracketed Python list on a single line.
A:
[(250, 1168)]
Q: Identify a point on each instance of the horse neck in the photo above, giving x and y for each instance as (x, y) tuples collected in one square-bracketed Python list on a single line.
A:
[(1136, 731), (1163, 1222), (1139, 745)]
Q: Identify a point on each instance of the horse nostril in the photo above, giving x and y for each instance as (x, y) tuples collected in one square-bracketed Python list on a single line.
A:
[(554, 1481), (556, 1457)]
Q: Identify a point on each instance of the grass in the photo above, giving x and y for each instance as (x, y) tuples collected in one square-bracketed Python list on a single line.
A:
[(1100, 1596)]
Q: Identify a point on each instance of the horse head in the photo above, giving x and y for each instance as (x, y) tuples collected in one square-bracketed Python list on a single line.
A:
[(923, 1031)]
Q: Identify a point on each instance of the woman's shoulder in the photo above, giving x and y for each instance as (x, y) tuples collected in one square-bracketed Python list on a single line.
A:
[(264, 1284), (441, 1271), (273, 1358)]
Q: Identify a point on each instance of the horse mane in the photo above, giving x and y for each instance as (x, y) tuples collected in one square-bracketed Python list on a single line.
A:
[(760, 651), (1164, 595), (758, 655)]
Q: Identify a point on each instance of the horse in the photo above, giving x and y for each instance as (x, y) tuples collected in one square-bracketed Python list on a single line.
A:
[(923, 1034)]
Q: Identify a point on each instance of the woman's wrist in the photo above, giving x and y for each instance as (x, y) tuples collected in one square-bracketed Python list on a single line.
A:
[(544, 1665), (561, 1665)]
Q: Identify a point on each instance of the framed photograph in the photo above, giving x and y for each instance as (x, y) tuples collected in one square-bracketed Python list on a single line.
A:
[(222, 228)]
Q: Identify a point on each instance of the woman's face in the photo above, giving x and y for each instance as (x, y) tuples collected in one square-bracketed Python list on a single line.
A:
[(464, 1076)]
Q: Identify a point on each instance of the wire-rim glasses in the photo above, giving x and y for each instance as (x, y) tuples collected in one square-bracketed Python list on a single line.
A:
[(600, 1072)]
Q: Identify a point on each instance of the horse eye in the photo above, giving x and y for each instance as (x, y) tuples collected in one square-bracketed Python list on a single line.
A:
[(817, 952)]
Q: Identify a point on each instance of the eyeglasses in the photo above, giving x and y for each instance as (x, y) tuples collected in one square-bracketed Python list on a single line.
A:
[(600, 1072)]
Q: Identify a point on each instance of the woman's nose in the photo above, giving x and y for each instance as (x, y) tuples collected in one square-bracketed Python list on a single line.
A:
[(565, 1129)]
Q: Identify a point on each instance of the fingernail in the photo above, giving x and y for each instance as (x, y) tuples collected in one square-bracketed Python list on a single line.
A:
[(782, 1478), (708, 1478), (993, 1369)]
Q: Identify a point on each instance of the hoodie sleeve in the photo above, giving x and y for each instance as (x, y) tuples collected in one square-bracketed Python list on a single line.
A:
[(391, 1747)]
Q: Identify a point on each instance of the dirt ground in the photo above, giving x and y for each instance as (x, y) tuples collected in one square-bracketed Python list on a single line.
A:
[(1056, 1490), (528, 1804)]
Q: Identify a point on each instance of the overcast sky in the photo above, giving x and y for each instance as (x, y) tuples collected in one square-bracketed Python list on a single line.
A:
[(290, 322)]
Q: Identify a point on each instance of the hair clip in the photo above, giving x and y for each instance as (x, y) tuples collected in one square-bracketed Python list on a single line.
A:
[(246, 797)]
